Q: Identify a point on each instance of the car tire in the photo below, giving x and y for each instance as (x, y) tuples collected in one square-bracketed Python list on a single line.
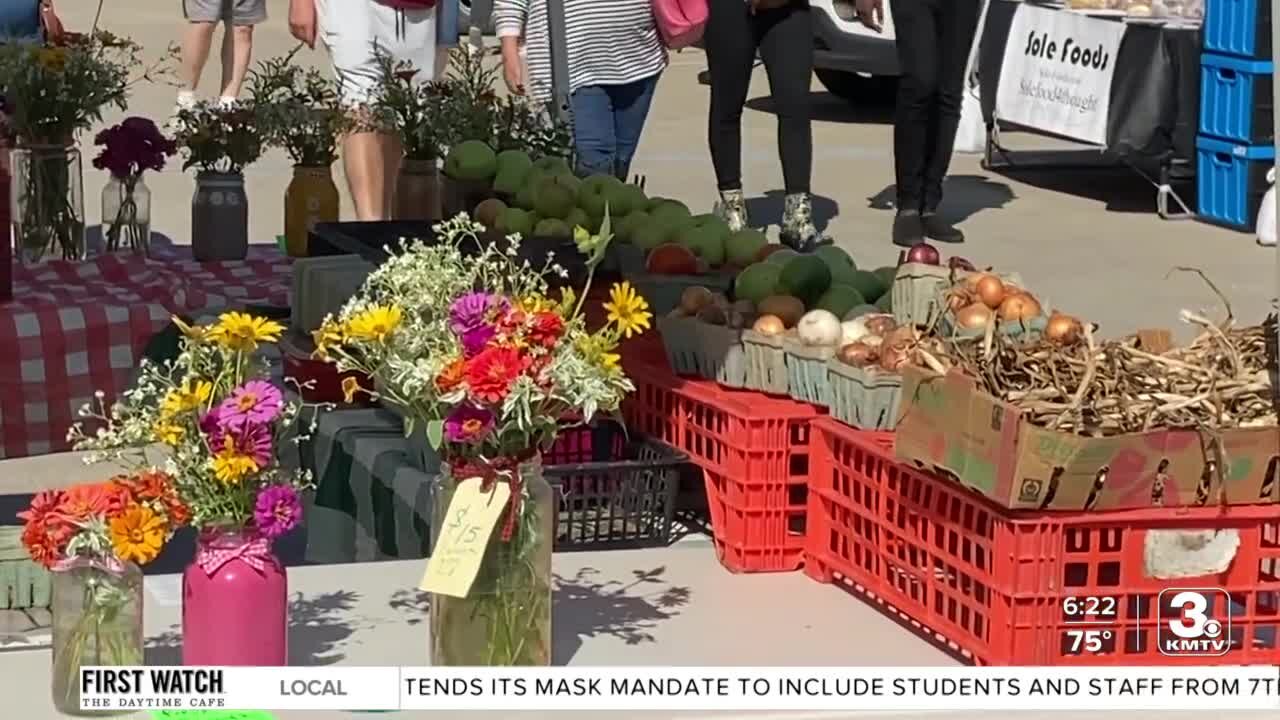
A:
[(854, 88)]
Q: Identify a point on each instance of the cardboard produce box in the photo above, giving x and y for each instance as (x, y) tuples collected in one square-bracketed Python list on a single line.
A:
[(949, 424)]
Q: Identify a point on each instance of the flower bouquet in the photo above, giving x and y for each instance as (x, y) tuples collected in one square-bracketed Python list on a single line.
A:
[(52, 93), (93, 537), (129, 149), (219, 423), (221, 142), (473, 348), (300, 110)]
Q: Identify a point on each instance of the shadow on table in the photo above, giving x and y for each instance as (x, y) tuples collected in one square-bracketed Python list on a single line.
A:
[(767, 209), (964, 197), (584, 606), (318, 627)]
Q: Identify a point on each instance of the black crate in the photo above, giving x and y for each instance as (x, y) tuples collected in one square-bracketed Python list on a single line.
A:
[(370, 241), (613, 490)]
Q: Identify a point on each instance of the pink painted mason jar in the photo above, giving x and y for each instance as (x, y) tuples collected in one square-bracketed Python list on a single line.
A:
[(235, 602)]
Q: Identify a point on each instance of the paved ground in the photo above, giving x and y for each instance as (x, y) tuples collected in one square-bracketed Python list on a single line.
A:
[(1089, 243)]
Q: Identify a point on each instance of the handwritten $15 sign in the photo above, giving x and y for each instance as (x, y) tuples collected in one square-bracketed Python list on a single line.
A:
[(455, 559)]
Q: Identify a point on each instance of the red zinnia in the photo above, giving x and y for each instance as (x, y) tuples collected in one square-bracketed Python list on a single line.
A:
[(150, 485), (177, 512), (42, 505), (547, 329), (47, 541), (490, 374)]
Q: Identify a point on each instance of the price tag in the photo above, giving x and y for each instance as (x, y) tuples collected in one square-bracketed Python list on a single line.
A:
[(455, 560), (211, 715)]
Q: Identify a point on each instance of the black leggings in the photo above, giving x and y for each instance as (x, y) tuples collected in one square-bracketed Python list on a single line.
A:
[(784, 38), (934, 37)]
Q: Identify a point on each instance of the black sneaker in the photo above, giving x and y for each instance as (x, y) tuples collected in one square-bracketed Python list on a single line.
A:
[(907, 229), (935, 228)]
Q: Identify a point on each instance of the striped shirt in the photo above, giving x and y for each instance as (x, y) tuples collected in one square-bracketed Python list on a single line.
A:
[(610, 42)]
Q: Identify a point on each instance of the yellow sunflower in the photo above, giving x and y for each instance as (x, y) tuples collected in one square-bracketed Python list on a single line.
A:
[(169, 433), (192, 395), (374, 324), (231, 467), (195, 332), (137, 534), (627, 310), (329, 335), (597, 349), (242, 332)]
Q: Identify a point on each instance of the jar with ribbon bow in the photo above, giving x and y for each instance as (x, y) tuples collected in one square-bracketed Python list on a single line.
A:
[(234, 601), (92, 538), (505, 617)]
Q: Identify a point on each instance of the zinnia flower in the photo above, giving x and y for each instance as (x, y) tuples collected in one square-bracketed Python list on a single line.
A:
[(44, 504), (256, 402), (451, 376), (82, 502), (242, 332), (374, 324), (627, 310), (45, 543), (150, 485), (476, 339), (138, 534), (471, 310), (176, 510), (240, 452), (277, 510), (546, 329), (468, 424), (490, 374)]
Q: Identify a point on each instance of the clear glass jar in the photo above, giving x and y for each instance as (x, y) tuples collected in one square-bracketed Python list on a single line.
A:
[(97, 620), (126, 215), (47, 203), (506, 618)]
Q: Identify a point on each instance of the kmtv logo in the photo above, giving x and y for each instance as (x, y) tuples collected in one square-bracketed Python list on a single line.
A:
[(1194, 622)]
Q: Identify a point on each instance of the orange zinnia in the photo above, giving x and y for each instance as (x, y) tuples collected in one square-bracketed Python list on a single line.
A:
[(451, 376), (81, 502), (138, 534)]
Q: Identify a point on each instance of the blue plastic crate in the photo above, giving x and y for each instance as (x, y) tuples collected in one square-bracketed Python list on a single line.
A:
[(1238, 27), (1236, 97), (1231, 180)]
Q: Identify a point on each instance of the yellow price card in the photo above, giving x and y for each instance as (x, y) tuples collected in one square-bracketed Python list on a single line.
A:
[(473, 515)]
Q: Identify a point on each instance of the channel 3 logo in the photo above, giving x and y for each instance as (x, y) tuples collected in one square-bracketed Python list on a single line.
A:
[(1194, 622)]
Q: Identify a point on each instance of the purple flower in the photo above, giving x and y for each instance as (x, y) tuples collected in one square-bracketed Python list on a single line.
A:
[(469, 311), (476, 339), (468, 424), (243, 438), (131, 147), (277, 510), (256, 402)]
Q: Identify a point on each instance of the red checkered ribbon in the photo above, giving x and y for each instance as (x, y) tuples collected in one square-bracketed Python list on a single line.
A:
[(255, 552), (499, 470)]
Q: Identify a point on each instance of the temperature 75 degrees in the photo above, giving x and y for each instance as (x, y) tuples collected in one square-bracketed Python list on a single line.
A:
[(1088, 640)]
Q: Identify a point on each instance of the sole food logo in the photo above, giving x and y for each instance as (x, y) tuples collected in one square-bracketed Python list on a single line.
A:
[(1194, 622)]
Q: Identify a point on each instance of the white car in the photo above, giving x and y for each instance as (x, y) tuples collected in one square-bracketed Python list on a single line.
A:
[(850, 59)]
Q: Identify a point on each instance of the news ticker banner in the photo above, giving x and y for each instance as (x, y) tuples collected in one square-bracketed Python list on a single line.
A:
[(680, 688)]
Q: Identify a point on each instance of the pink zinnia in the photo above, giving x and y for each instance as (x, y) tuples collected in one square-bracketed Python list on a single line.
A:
[(277, 510), (256, 403)]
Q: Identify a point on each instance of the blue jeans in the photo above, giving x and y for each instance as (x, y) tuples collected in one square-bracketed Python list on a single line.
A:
[(19, 20), (607, 122)]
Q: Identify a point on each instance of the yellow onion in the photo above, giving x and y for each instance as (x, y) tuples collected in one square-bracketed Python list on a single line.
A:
[(957, 298), (974, 317), (1019, 306), (1063, 329), (892, 358), (857, 354), (900, 337), (769, 325), (990, 291)]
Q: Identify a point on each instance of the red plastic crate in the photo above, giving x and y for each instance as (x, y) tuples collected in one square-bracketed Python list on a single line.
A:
[(990, 583), (754, 453)]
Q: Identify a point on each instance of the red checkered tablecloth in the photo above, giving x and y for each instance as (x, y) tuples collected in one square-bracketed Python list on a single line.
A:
[(74, 328)]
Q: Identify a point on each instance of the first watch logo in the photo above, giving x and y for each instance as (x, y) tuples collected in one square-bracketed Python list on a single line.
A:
[(1194, 622)]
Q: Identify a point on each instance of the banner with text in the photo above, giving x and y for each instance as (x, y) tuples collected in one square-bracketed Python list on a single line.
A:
[(680, 688), (1057, 70)]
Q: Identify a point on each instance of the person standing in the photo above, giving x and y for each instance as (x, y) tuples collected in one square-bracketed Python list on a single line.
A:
[(20, 19), (203, 16), (781, 31), (933, 38), (354, 31), (615, 59)]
